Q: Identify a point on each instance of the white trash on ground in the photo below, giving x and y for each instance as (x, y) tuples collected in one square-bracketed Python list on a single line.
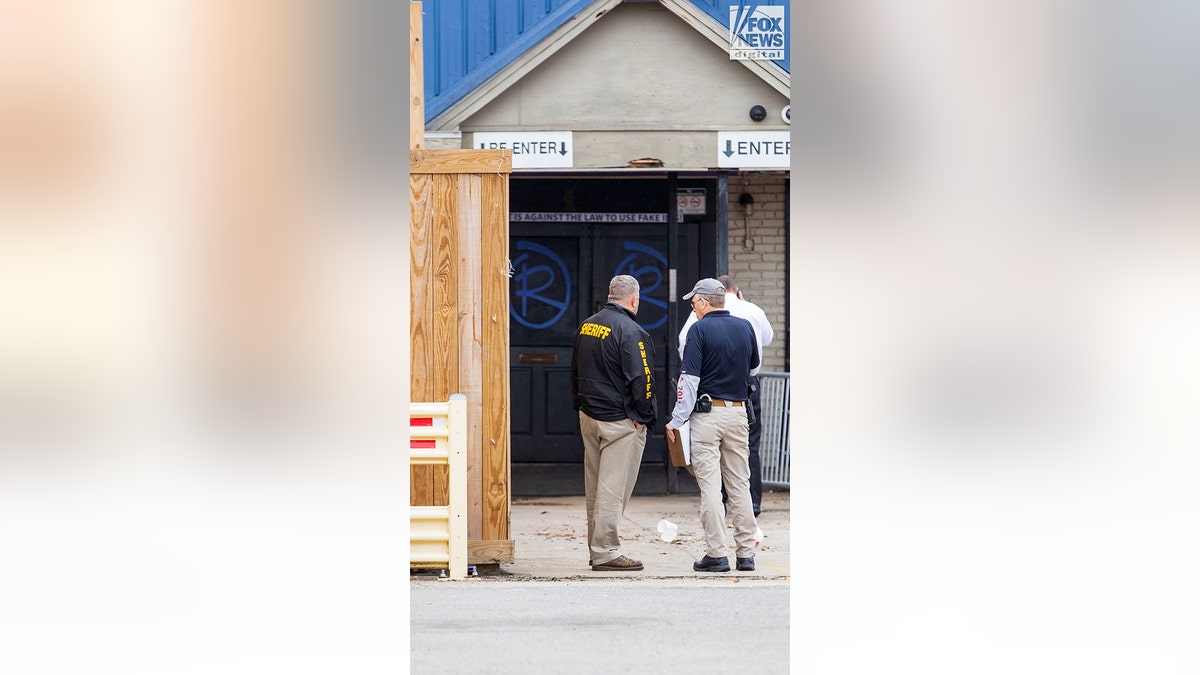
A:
[(667, 530)]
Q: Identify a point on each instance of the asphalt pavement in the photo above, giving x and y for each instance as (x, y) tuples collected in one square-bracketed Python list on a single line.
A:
[(722, 624), (548, 612)]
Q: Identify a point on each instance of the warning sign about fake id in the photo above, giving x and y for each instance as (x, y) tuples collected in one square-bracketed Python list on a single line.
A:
[(757, 33)]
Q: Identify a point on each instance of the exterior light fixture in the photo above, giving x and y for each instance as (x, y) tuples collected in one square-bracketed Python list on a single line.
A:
[(747, 202)]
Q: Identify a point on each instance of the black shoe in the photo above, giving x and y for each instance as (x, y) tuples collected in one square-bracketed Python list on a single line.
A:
[(745, 564), (707, 564)]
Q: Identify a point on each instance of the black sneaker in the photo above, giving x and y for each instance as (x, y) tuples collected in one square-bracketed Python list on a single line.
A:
[(745, 564), (707, 564)]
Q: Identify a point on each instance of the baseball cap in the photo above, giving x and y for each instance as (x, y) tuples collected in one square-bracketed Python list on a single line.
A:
[(706, 287)]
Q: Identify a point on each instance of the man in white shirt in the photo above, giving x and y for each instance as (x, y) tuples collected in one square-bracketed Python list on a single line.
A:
[(741, 308)]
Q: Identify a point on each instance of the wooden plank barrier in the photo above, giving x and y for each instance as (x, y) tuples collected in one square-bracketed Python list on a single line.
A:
[(458, 272), (438, 534), (459, 339)]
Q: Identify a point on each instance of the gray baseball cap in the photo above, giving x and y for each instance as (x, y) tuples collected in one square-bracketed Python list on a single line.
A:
[(706, 287)]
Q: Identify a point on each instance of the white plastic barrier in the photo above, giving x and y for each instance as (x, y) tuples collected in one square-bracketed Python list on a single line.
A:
[(438, 435)]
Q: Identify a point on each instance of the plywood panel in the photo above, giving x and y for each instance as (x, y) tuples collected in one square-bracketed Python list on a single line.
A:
[(438, 303), (496, 480), (416, 78), (422, 478), (460, 161), (420, 279), (444, 298), (486, 552), (470, 339), (460, 326)]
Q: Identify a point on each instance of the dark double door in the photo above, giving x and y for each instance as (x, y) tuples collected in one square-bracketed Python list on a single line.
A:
[(560, 277)]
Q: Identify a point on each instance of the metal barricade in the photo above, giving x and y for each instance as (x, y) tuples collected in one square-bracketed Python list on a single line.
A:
[(438, 534), (774, 448)]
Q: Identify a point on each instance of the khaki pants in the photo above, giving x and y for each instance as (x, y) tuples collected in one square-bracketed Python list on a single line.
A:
[(720, 450), (612, 455)]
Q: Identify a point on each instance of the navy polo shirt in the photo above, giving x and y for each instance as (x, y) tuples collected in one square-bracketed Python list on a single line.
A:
[(721, 349)]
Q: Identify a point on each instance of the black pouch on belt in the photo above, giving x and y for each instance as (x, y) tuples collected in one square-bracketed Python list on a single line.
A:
[(703, 404)]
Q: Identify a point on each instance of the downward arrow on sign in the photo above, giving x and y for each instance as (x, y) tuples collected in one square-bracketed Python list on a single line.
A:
[(728, 148), (564, 149)]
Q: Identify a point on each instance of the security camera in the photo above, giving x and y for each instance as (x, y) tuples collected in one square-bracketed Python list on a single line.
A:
[(758, 113)]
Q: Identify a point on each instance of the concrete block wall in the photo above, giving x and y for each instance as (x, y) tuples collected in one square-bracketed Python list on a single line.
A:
[(758, 254)]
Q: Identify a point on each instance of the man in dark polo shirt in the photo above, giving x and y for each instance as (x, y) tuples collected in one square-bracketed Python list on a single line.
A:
[(611, 388), (713, 389)]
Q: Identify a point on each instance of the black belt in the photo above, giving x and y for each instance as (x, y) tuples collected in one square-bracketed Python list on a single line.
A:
[(727, 404)]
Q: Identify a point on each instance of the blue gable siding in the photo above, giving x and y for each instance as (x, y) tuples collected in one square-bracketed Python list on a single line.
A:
[(468, 41)]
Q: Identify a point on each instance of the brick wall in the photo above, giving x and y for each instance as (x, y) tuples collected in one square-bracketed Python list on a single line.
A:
[(759, 262)]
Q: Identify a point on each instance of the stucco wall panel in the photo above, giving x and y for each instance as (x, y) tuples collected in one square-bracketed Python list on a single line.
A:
[(639, 68)]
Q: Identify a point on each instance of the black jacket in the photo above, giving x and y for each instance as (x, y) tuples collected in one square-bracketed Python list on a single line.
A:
[(611, 368)]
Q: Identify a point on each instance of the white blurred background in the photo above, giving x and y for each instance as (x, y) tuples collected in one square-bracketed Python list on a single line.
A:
[(203, 336), (996, 302)]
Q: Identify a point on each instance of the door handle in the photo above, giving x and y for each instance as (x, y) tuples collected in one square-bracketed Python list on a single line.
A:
[(537, 357)]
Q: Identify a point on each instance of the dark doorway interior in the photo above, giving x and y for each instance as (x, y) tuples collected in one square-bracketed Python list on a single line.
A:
[(562, 264)]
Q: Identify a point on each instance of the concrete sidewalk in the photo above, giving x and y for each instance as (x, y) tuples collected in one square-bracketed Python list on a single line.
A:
[(550, 535)]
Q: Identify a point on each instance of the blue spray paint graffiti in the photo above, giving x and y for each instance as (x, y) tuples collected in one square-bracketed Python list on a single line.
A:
[(649, 275), (526, 274)]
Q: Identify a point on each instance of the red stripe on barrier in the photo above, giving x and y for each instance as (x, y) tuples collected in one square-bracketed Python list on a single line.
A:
[(419, 444), (420, 421)]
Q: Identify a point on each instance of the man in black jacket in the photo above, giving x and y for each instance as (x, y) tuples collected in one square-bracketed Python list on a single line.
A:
[(612, 390)]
